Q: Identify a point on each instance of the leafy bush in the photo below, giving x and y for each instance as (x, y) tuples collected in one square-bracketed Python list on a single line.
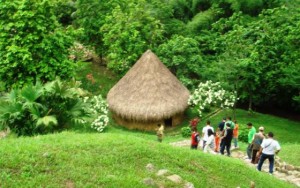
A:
[(211, 94), (44, 108), (186, 131), (243, 134)]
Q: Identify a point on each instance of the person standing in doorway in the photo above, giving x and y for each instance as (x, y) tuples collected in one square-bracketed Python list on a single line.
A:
[(269, 147), (160, 132)]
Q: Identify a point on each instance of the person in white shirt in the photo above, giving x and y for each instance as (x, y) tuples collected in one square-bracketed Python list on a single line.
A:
[(205, 133), (210, 144), (269, 147)]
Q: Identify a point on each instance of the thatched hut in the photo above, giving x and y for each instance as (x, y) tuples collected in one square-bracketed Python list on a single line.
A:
[(147, 95)]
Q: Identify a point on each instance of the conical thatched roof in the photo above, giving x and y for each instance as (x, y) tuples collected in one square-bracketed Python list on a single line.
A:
[(148, 92)]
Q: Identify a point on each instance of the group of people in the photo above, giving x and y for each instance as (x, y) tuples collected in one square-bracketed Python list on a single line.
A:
[(216, 141), (260, 147)]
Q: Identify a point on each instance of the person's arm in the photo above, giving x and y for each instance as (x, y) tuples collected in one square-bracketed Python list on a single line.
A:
[(277, 148), (259, 151)]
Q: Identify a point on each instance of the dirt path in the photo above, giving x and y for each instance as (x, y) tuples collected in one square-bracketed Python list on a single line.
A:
[(282, 171)]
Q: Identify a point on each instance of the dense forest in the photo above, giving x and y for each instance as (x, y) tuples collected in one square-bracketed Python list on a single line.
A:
[(249, 46)]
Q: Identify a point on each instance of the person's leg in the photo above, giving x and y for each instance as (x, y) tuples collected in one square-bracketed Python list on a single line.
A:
[(249, 151), (271, 160), (235, 142), (222, 148), (261, 161), (228, 148), (254, 152), (204, 143)]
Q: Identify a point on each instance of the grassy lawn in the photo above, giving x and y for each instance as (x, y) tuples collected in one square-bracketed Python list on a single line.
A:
[(71, 159)]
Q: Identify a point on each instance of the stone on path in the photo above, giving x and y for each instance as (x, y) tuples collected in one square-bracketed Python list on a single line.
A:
[(175, 178), (162, 172), (189, 185), (148, 181), (150, 167)]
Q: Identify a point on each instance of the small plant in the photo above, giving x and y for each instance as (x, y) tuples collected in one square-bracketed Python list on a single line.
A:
[(99, 110), (186, 132)]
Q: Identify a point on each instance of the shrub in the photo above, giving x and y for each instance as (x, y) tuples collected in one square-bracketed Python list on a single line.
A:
[(186, 131), (210, 94), (38, 108), (99, 110), (243, 134)]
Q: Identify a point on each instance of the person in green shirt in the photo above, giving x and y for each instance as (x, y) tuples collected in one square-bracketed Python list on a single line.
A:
[(228, 120), (251, 134)]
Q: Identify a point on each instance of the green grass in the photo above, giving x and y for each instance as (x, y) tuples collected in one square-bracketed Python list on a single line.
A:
[(290, 153), (116, 160)]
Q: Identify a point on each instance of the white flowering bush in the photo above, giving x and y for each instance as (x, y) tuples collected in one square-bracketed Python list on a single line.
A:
[(211, 94), (99, 110)]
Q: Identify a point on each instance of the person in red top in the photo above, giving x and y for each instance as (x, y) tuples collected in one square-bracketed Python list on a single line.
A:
[(194, 122), (195, 138)]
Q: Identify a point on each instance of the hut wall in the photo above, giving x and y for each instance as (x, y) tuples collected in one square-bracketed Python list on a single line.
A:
[(177, 119), (148, 126)]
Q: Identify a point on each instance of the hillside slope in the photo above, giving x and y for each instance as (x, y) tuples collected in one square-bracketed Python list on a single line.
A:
[(116, 160)]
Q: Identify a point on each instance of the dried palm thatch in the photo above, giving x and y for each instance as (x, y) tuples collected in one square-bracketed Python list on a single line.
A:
[(148, 92)]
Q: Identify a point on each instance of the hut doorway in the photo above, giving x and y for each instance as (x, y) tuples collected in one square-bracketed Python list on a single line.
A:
[(168, 122)]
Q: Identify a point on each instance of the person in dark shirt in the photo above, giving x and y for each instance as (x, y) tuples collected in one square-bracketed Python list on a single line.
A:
[(228, 134), (221, 125), (220, 131)]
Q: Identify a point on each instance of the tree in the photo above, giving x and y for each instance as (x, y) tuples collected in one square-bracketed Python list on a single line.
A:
[(90, 15), (254, 55), (32, 44), (126, 42), (183, 57)]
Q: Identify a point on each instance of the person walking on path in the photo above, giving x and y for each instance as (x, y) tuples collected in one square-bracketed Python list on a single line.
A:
[(217, 141), (160, 132), (205, 132), (195, 138), (227, 138), (210, 144), (235, 134), (221, 133), (256, 142), (251, 133), (228, 120), (221, 125), (269, 147)]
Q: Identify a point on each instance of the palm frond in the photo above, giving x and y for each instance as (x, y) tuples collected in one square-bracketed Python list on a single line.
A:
[(47, 121), (12, 96), (31, 93)]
